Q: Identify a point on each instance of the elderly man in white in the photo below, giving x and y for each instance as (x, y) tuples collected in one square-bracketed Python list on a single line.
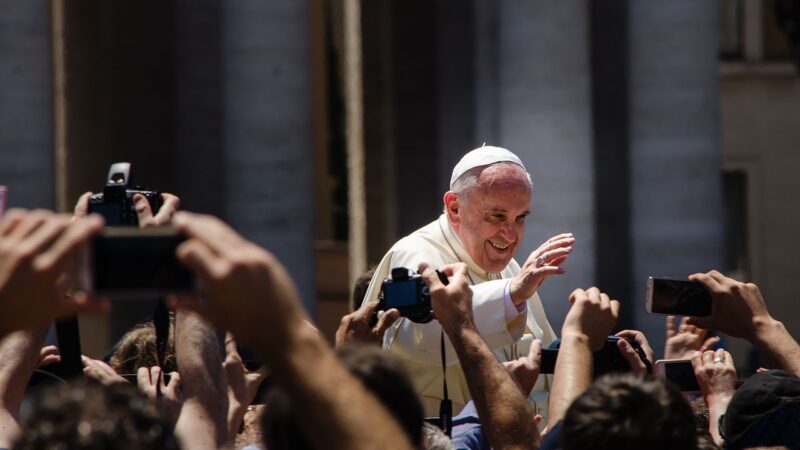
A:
[(482, 225)]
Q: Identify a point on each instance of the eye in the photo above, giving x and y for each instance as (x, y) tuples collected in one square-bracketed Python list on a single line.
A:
[(521, 219), (495, 217)]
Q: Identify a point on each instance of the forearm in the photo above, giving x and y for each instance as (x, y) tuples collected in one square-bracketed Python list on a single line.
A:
[(505, 414), (716, 408), (777, 346), (18, 357), (203, 418), (337, 409), (573, 375)]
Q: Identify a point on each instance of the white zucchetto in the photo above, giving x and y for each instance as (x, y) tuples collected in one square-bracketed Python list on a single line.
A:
[(483, 156)]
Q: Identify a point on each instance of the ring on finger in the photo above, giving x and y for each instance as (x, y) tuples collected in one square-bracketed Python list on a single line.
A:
[(540, 261), (718, 360)]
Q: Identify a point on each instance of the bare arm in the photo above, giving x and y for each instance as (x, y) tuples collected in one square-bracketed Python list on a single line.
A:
[(716, 376), (505, 414), (19, 355), (203, 419), (250, 293), (585, 329), (739, 310)]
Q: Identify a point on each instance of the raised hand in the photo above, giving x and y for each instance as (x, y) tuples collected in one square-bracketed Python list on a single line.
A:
[(541, 263)]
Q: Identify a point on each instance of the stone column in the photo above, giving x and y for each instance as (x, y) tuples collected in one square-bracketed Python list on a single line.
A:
[(676, 219), (268, 167), (543, 113), (26, 102)]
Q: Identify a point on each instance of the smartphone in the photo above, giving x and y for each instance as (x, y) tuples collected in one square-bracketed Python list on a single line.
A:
[(3, 194), (680, 372), (548, 363), (677, 297), (135, 263)]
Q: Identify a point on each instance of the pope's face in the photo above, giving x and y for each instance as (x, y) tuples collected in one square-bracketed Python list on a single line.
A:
[(491, 223)]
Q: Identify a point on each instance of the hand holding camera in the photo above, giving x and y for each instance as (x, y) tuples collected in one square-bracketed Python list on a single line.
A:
[(592, 315)]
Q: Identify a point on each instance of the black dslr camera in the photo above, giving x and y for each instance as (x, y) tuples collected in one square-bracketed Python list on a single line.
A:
[(405, 291), (115, 204), (607, 359)]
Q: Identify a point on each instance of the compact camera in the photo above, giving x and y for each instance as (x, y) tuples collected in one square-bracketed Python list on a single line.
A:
[(116, 204), (405, 291)]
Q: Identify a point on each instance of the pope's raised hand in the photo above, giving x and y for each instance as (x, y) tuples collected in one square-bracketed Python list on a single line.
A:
[(542, 262)]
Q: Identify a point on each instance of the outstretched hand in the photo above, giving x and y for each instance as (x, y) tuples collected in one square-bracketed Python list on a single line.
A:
[(592, 315), (358, 325), (451, 303), (542, 262)]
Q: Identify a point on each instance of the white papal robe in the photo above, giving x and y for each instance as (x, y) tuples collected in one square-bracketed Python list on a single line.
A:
[(507, 331)]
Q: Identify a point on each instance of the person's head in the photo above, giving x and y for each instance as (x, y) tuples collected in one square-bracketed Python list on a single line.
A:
[(487, 204), (93, 416), (360, 287), (382, 375), (137, 348), (625, 411), (763, 412)]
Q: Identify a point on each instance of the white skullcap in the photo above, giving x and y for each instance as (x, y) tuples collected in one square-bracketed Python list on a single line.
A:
[(483, 156)]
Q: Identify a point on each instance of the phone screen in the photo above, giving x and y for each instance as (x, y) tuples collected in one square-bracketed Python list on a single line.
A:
[(548, 364), (678, 297), (136, 263), (681, 373)]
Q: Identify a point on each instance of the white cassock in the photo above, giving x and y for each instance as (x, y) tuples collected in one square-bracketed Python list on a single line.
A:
[(506, 330)]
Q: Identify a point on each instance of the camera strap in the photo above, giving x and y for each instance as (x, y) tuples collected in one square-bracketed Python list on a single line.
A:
[(446, 406)]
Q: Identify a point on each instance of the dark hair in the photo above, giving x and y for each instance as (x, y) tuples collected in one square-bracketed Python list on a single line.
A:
[(91, 416), (360, 287), (381, 374), (625, 411)]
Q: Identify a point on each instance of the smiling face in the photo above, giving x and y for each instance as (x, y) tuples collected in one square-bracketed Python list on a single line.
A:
[(490, 218)]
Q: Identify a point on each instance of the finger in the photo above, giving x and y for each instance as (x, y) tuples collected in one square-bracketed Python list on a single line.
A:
[(557, 261), (545, 271), (82, 205), (706, 280), (44, 236), (77, 234), (670, 321), (143, 379), (429, 276), (604, 300), (594, 295), (718, 277), (230, 345), (700, 322), (143, 211), (719, 354), (697, 361), (455, 270), (630, 355), (155, 376), (576, 295), (49, 359), (708, 357), (728, 358), (386, 320), (558, 253), (535, 353), (614, 308), (203, 227), (168, 208), (11, 219), (709, 343), (29, 223), (174, 381), (684, 325), (201, 258), (48, 350)]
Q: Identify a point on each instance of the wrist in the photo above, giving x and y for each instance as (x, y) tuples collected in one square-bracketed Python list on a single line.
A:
[(765, 328)]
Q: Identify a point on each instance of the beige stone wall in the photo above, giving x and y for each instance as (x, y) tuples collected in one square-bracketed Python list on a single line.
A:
[(760, 113)]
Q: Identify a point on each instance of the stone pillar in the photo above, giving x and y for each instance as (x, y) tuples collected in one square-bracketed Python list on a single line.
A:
[(543, 113), (26, 102), (676, 219), (268, 168)]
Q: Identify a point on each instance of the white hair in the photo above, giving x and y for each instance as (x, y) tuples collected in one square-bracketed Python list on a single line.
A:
[(434, 439)]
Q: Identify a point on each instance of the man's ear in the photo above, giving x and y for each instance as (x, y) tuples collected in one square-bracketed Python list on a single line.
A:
[(451, 207)]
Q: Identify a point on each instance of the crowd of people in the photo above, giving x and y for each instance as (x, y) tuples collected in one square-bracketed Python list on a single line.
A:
[(376, 387)]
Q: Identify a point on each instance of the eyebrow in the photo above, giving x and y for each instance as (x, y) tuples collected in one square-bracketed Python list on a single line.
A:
[(503, 211)]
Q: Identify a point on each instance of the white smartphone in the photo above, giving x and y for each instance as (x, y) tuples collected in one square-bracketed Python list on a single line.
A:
[(3, 192), (677, 297), (680, 372)]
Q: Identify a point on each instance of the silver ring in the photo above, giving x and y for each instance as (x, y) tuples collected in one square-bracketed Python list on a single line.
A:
[(540, 261), (717, 360)]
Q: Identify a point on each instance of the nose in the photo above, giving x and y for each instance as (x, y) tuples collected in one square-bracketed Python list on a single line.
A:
[(508, 232)]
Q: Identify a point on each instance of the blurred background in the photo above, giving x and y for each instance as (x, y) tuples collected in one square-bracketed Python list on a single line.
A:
[(664, 135)]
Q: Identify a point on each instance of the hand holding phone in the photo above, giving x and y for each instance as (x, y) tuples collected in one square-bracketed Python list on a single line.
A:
[(680, 372), (677, 297)]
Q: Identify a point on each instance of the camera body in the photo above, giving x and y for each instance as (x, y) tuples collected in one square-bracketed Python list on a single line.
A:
[(116, 204), (607, 359), (405, 291)]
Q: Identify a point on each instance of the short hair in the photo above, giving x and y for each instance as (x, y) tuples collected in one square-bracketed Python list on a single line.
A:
[(360, 287), (627, 412), (88, 415), (470, 180), (382, 375), (137, 348), (434, 438)]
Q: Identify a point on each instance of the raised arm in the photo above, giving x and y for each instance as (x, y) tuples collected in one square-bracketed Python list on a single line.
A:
[(740, 311), (505, 414), (586, 327), (19, 355), (250, 293), (202, 422)]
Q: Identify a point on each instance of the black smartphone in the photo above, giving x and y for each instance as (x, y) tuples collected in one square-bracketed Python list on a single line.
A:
[(680, 372), (548, 364), (135, 263), (677, 297)]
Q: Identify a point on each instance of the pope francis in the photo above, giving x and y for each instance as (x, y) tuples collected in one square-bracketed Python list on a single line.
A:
[(482, 225)]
